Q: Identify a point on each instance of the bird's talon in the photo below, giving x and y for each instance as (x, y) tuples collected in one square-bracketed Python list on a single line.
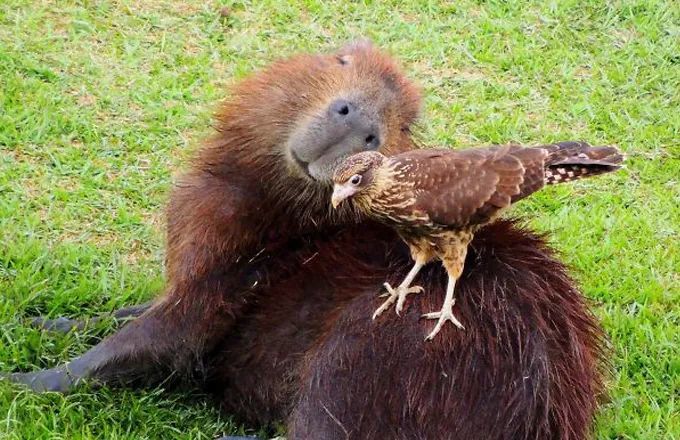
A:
[(402, 297), (397, 294), (442, 316), (384, 306)]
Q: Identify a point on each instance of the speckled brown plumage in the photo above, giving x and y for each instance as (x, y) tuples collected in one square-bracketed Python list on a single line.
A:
[(437, 198)]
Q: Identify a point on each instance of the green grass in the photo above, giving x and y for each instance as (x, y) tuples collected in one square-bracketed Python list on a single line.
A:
[(100, 102)]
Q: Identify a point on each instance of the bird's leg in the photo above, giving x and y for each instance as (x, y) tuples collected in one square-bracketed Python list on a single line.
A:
[(453, 262), (400, 293), (446, 313)]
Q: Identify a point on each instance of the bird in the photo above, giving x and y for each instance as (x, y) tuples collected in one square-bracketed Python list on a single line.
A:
[(436, 199)]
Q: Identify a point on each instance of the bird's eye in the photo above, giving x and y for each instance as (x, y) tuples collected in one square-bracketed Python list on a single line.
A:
[(355, 180)]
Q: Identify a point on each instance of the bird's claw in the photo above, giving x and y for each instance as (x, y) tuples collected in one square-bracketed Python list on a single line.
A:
[(398, 294), (401, 299), (384, 306), (442, 316)]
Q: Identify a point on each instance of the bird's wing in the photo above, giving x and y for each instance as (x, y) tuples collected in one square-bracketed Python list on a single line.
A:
[(462, 188)]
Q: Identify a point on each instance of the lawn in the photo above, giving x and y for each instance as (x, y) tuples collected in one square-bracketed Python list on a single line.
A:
[(101, 102)]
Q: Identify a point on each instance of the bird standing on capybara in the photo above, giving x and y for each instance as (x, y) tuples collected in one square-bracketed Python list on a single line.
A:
[(268, 288)]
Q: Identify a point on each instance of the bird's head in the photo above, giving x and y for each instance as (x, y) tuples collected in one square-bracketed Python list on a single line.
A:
[(355, 176)]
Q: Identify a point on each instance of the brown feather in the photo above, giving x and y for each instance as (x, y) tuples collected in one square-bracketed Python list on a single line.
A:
[(444, 189)]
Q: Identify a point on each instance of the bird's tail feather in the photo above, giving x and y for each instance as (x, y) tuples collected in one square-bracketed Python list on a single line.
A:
[(574, 160)]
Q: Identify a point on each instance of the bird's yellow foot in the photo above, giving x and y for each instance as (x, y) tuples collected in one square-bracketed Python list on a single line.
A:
[(398, 294), (445, 314)]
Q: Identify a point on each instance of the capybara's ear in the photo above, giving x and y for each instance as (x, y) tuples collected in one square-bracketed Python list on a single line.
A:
[(358, 45), (346, 52)]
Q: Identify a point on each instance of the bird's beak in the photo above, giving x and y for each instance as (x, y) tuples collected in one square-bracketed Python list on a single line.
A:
[(341, 193)]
